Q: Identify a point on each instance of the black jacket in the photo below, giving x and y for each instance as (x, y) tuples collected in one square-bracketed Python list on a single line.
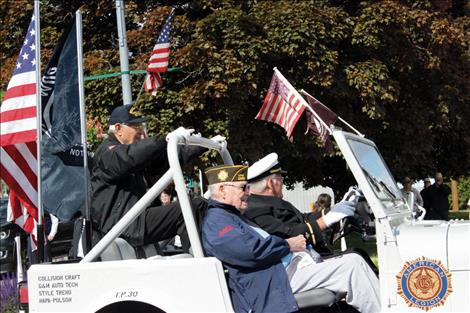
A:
[(436, 202), (279, 217), (118, 180)]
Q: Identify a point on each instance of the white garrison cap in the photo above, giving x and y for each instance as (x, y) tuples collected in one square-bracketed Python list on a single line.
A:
[(265, 167)]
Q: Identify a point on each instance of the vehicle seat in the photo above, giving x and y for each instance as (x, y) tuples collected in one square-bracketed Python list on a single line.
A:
[(119, 249), (316, 298), (175, 256)]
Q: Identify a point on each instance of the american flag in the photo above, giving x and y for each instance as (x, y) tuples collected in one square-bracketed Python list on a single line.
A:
[(158, 62), (315, 126), (282, 105), (18, 163)]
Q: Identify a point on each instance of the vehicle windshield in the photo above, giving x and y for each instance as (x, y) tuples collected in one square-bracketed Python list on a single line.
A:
[(375, 170)]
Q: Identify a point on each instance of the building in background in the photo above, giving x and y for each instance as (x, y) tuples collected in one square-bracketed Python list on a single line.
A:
[(303, 199)]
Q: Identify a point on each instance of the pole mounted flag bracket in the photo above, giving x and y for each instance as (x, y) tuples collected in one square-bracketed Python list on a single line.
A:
[(136, 72)]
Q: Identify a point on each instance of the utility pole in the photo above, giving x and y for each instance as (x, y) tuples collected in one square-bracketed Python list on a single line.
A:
[(123, 53)]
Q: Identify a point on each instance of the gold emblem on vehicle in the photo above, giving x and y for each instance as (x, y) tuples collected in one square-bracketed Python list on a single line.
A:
[(424, 283)]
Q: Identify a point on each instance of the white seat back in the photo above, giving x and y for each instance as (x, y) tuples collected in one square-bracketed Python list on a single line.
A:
[(119, 249)]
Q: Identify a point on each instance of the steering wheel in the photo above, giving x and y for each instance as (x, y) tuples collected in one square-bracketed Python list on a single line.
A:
[(346, 226)]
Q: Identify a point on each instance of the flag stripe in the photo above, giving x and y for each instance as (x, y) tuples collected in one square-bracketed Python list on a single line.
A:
[(161, 47), (160, 54), (296, 119), (19, 156), (273, 106), (267, 106), (282, 112), (25, 78), (18, 103), (12, 115), (20, 91), (292, 104), (18, 183), (159, 61), (18, 126), (277, 108), (18, 137)]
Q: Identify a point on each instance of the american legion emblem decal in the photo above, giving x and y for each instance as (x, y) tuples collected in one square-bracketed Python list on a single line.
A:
[(424, 283)]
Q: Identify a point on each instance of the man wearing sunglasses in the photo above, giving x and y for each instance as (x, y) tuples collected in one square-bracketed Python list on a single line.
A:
[(264, 270), (120, 175), (256, 277)]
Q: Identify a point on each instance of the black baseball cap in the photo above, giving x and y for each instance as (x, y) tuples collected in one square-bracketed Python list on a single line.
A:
[(122, 114)]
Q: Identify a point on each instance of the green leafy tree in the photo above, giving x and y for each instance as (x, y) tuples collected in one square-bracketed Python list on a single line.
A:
[(396, 70)]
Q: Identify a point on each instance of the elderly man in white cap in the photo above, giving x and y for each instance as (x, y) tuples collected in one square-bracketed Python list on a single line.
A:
[(349, 273)]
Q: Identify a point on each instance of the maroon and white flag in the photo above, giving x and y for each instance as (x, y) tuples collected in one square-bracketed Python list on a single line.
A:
[(282, 105), (18, 150), (315, 126)]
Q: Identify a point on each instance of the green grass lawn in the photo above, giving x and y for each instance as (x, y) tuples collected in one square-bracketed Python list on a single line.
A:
[(459, 215), (354, 240)]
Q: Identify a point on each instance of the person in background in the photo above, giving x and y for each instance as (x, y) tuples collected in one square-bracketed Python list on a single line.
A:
[(424, 192), (323, 204), (437, 199), (407, 190), (426, 182), (265, 270), (166, 197)]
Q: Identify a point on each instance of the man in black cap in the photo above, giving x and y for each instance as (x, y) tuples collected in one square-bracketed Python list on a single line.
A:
[(121, 166)]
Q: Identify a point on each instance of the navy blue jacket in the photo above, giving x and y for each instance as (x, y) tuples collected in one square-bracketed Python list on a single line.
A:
[(257, 279)]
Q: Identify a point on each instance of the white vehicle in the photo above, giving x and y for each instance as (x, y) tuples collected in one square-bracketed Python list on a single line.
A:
[(423, 264)]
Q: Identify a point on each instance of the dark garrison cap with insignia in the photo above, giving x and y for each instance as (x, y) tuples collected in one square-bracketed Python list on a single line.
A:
[(226, 173), (125, 114), (265, 167)]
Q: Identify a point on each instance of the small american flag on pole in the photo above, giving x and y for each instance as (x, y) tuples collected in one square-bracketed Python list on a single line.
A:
[(158, 62), (18, 149), (282, 105)]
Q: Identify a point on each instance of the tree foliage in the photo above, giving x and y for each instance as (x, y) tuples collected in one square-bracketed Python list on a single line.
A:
[(396, 70)]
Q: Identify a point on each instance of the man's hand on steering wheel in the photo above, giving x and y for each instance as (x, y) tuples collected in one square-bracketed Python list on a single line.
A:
[(343, 209)]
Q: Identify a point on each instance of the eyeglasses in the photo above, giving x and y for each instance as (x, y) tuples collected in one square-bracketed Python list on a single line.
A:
[(242, 188), (280, 178)]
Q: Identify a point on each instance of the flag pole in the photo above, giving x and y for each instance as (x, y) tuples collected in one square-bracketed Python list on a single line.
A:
[(123, 53), (339, 117), (303, 102), (40, 226), (81, 96)]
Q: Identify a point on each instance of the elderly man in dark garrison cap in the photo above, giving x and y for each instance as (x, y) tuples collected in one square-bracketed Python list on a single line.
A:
[(120, 175), (264, 269), (278, 217)]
